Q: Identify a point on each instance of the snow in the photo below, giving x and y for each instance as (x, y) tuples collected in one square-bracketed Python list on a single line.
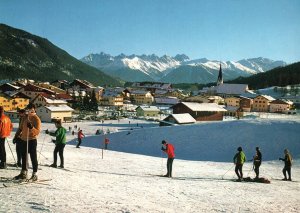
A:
[(194, 106), (123, 180)]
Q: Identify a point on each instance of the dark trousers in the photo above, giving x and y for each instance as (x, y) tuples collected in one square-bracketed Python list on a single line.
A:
[(59, 148), (2, 151), (106, 146), (256, 169), (239, 170), (32, 144), (79, 142), (169, 166), (19, 151), (287, 169)]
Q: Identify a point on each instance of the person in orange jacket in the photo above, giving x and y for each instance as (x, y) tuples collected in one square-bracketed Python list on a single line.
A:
[(5, 130), (169, 150)]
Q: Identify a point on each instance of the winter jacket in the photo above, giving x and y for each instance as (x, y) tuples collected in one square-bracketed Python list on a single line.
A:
[(60, 135), (239, 158), (80, 135), (30, 133), (257, 158), (106, 141), (5, 126), (170, 150), (287, 160)]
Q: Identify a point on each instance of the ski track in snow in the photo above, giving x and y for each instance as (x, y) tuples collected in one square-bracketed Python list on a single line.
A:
[(124, 182)]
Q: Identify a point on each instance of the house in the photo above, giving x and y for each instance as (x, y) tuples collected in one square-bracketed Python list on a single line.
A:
[(53, 88), (294, 99), (44, 99), (261, 103), (8, 87), (98, 92), (152, 86), (141, 97), (112, 97), (11, 102), (32, 91), (232, 101), (200, 111), (246, 104), (184, 118), (147, 111), (62, 84), (280, 106), (52, 113)]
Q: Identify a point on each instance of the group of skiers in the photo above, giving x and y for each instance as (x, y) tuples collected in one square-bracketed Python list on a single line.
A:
[(240, 158)]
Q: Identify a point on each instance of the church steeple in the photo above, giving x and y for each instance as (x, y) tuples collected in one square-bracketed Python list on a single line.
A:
[(220, 77)]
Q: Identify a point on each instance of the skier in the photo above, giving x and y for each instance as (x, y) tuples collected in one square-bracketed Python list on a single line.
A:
[(60, 143), (106, 142), (30, 128), (17, 139), (80, 135), (257, 162), (169, 150), (5, 130), (239, 160), (287, 165)]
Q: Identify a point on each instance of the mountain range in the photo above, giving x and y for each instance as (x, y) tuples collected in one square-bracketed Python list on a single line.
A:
[(178, 69), (24, 55)]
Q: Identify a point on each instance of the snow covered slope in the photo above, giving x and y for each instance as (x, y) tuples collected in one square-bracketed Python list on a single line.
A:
[(178, 69), (123, 182)]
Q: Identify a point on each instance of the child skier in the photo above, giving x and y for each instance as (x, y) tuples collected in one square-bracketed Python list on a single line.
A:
[(239, 160)]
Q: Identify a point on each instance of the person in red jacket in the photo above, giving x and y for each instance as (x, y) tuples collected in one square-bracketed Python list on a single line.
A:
[(80, 135), (5, 130), (106, 142), (169, 150)]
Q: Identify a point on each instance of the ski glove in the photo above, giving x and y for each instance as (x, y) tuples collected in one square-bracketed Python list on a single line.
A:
[(53, 141), (14, 141), (29, 125), (47, 131), (163, 149)]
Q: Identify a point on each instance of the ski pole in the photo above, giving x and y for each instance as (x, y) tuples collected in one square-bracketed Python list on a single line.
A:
[(42, 147), (12, 152), (227, 172), (43, 155)]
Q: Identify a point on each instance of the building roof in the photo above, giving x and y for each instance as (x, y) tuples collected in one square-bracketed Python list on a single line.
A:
[(234, 89), (282, 102), (266, 97), (182, 118), (139, 92), (61, 108), (205, 107), (167, 100), (149, 108)]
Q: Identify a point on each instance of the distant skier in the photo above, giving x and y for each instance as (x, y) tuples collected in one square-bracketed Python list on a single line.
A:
[(169, 150), (80, 135), (239, 160), (60, 143), (5, 130), (30, 126), (257, 162), (287, 164), (17, 139), (106, 142)]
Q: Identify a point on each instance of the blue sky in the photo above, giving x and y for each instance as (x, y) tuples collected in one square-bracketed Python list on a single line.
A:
[(215, 29)]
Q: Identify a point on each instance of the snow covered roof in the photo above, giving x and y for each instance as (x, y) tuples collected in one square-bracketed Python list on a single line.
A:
[(54, 101), (139, 92), (182, 118), (231, 88), (149, 108), (60, 108), (281, 102), (166, 100), (204, 107), (267, 97)]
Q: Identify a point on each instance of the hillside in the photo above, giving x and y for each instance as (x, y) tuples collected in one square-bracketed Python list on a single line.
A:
[(23, 55), (281, 76)]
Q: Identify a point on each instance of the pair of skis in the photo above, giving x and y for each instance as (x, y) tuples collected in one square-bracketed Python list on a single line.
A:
[(10, 182)]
